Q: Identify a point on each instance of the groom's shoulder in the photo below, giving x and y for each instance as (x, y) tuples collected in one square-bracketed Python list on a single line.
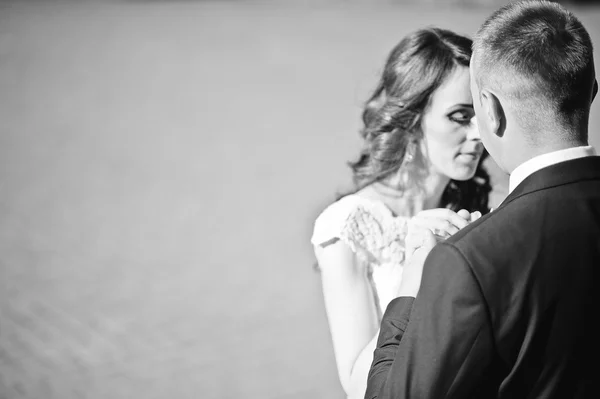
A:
[(497, 231)]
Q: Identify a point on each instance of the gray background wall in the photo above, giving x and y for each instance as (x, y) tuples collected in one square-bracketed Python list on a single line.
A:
[(161, 164)]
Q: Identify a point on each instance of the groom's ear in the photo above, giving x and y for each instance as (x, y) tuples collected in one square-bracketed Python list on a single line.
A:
[(494, 112), (595, 90)]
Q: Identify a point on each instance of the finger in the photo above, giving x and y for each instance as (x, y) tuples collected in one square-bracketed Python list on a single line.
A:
[(475, 215), (440, 238), (416, 237), (428, 240), (440, 227), (441, 234), (426, 243), (447, 214), (443, 228), (463, 213)]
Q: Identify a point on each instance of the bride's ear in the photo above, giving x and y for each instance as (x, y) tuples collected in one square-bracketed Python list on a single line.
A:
[(493, 111)]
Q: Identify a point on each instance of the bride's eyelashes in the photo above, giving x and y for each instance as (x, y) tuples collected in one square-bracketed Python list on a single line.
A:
[(462, 117)]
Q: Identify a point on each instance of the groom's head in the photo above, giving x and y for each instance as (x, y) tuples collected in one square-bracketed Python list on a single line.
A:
[(532, 79)]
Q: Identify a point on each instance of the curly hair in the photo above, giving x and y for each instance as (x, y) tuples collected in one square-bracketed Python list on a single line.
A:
[(415, 68)]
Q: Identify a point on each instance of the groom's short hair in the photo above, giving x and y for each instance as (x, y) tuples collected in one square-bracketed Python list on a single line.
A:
[(539, 55)]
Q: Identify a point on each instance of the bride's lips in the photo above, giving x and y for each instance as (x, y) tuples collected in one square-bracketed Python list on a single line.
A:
[(468, 157), (471, 152)]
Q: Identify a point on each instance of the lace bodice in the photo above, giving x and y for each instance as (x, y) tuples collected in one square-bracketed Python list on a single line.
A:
[(373, 233)]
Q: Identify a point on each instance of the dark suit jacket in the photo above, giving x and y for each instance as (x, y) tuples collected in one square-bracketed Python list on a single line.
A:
[(509, 306)]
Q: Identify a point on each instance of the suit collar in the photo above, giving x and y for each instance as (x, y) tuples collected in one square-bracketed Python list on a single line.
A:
[(571, 171), (545, 160)]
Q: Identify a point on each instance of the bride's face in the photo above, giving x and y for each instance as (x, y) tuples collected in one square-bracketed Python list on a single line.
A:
[(451, 139)]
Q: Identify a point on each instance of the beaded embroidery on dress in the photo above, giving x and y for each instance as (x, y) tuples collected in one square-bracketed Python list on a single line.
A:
[(373, 233)]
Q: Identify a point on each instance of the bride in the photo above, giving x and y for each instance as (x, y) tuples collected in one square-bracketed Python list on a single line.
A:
[(420, 166)]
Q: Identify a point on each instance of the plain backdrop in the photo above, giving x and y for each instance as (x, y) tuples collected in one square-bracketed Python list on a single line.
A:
[(161, 165)]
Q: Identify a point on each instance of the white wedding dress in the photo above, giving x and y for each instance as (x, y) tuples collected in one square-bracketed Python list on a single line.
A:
[(374, 234)]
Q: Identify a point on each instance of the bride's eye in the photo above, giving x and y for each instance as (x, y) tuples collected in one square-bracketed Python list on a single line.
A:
[(461, 117)]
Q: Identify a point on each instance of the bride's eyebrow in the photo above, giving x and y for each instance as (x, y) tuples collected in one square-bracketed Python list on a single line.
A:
[(461, 105)]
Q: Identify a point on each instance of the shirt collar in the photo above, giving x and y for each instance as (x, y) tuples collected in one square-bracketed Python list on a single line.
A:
[(541, 161)]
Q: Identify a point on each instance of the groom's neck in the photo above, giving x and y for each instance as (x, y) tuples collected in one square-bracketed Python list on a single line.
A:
[(555, 141)]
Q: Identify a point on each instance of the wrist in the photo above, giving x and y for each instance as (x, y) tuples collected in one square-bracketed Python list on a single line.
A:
[(413, 271), (409, 286)]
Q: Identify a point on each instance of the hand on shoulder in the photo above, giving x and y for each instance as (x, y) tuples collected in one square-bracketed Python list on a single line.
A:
[(425, 230), (442, 222)]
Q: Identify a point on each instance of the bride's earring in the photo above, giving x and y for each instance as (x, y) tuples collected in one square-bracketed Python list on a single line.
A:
[(409, 155)]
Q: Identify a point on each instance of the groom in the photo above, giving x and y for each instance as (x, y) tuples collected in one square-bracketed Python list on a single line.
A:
[(508, 307)]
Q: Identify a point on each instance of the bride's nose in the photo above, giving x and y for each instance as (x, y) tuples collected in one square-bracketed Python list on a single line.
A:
[(473, 133)]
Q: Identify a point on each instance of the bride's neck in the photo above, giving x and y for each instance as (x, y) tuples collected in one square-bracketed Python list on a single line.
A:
[(435, 184), (411, 200)]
